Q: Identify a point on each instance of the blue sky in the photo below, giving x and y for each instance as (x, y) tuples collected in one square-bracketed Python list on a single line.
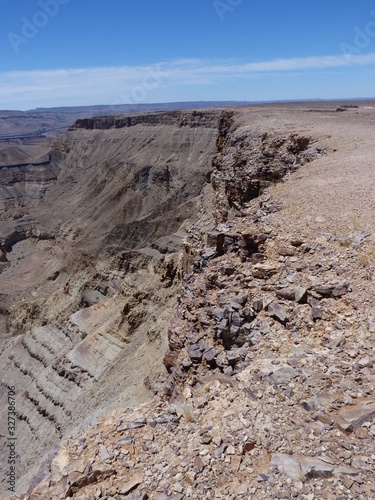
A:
[(84, 52)]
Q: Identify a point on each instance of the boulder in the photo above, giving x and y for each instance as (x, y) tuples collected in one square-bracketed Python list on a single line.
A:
[(278, 312), (286, 294), (284, 375), (195, 353)]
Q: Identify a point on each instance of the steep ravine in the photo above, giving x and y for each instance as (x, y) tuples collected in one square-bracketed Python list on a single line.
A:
[(92, 255), (128, 201), (271, 346)]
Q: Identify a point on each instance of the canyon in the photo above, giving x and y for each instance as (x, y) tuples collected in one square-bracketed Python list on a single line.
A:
[(186, 304)]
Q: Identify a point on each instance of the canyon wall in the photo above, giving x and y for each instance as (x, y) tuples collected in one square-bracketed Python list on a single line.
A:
[(93, 247)]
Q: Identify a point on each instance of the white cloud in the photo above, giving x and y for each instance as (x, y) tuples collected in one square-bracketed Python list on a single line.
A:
[(114, 85)]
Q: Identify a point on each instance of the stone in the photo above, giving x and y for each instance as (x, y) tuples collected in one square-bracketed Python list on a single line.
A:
[(326, 420), (332, 290), (346, 471), (163, 419), (278, 312), (234, 357), (195, 353), (234, 330), (178, 488), (148, 436), (223, 325), (126, 487), (324, 290), (221, 361), (186, 361), (284, 375), (258, 305), (103, 453), (365, 362), (263, 271), (296, 242), (247, 328), (343, 425), (217, 440), (235, 305), (313, 300), (359, 414), (341, 290), (235, 320), (215, 238), (300, 294), (286, 294), (87, 479), (248, 446), (347, 482), (359, 237), (217, 313), (292, 278), (235, 461), (362, 433), (190, 477), (210, 355), (242, 490), (209, 254), (125, 441), (198, 464), (316, 313), (206, 439), (308, 467), (131, 425), (323, 398), (228, 371), (285, 251)]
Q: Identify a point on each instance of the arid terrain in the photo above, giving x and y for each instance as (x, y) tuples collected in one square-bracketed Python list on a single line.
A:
[(20, 126), (186, 305)]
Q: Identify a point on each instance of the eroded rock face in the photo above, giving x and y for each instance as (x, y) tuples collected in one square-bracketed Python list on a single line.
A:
[(245, 164), (248, 160)]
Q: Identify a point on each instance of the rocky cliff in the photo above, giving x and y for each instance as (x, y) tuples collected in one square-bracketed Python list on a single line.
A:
[(256, 294), (93, 247)]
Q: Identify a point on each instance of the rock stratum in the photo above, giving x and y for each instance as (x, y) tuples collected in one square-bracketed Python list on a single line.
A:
[(187, 306)]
